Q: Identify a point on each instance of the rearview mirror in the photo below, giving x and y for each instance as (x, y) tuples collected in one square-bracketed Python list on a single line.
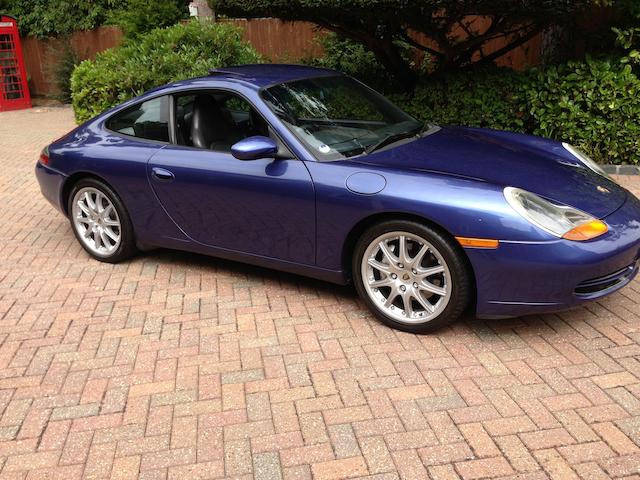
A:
[(254, 148)]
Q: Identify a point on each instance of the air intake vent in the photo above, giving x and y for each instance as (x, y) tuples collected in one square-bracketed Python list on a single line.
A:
[(606, 283)]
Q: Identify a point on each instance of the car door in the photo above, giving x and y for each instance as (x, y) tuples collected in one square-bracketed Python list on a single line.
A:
[(262, 207)]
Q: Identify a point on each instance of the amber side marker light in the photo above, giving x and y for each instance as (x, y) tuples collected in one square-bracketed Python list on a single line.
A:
[(587, 231), (478, 242)]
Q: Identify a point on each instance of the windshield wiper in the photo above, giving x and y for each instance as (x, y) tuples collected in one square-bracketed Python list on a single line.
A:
[(394, 137)]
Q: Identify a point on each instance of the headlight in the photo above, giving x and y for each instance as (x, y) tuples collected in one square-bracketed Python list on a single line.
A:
[(584, 158), (560, 221)]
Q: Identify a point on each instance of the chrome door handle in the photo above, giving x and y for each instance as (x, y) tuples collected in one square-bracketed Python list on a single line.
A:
[(161, 174)]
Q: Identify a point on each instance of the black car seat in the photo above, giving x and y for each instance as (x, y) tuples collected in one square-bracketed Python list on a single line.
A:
[(210, 127)]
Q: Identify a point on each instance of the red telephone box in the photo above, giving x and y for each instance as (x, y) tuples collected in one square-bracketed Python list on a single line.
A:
[(14, 91)]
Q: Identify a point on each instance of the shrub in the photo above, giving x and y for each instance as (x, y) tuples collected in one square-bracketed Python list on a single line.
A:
[(140, 16), (355, 59), (44, 18), (481, 98), (155, 58), (66, 60), (594, 104)]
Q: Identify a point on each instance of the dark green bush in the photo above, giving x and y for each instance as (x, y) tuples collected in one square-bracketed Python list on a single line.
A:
[(140, 16), (481, 98), (44, 18), (61, 69), (356, 60), (593, 104), (153, 59)]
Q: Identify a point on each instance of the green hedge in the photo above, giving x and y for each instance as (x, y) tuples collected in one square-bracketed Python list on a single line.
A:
[(153, 59), (486, 98), (593, 104)]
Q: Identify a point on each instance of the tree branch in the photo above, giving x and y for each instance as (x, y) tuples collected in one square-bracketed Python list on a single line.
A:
[(513, 45), (414, 43)]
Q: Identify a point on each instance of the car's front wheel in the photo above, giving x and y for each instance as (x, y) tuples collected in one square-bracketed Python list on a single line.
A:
[(100, 221), (412, 277)]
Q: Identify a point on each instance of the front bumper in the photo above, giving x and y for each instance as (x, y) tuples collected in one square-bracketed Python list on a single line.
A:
[(521, 278), (51, 182)]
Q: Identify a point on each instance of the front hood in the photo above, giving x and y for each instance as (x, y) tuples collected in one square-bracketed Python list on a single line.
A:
[(535, 164)]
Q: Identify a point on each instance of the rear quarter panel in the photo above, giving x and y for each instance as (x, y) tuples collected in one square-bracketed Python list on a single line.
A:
[(121, 163)]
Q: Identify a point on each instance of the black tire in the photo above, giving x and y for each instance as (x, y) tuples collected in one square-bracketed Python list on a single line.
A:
[(449, 250), (127, 246)]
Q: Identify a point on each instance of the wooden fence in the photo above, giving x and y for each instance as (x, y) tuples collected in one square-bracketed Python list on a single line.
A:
[(277, 40), (41, 56)]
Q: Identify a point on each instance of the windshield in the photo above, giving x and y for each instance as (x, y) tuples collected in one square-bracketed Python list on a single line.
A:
[(337, 117)]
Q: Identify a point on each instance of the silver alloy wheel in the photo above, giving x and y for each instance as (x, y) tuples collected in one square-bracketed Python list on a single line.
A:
[(96, 221), (406, 277)]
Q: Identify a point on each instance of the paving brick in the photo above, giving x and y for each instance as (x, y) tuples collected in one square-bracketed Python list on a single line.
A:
[(618, 379), (307, 455), (409, 465), (339, 469), (484, 468), (544, 439), (266, 466), (616, 438), (448, 453), (479, 441), (555, 466), (517, 453), (344, 441), (377, 455)]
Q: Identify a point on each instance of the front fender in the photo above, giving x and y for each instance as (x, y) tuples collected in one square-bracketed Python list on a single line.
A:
[(462, 206)]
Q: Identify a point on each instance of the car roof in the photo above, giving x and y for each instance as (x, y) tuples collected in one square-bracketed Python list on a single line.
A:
[(262, 75), (257, 76)]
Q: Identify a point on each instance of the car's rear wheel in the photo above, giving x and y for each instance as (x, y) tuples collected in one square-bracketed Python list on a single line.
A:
[(412, 277), (100, 221)]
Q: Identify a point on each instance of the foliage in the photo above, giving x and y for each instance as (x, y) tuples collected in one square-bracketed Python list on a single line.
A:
[(487, 98), (628, 33), (153, 59), (66, 61), (451, 31), (140, 16), (357, 60), (593, 104), (43, 18)]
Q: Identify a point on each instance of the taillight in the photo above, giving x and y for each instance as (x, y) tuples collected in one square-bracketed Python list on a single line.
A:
[(44, 156)]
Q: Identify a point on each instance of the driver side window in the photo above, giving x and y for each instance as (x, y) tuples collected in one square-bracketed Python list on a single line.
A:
[(215, 120)]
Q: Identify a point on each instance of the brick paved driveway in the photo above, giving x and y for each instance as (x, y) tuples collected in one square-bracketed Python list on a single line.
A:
[(180, 366)]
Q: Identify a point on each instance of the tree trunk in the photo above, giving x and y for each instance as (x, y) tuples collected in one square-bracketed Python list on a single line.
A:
[(557, 46), (391, 58)]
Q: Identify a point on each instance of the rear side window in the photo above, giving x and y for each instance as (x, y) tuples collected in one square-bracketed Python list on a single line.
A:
[(148, 120)]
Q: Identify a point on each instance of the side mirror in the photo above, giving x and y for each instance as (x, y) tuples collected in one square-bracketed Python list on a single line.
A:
[(254, 148)]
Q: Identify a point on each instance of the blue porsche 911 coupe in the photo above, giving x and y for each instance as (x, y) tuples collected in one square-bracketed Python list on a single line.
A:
[(309, 171)]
